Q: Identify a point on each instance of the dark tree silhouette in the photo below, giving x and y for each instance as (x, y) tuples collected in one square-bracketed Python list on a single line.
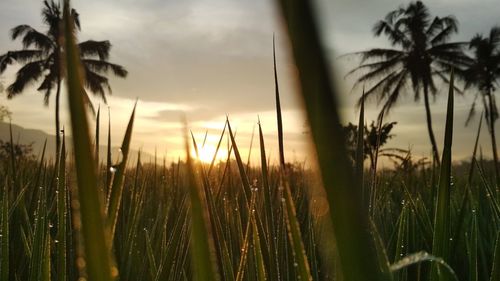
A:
[(41, 60), (374, 138), (483, 74), (421, 52)]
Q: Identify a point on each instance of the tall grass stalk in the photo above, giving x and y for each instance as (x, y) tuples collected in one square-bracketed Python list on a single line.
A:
[(441, 236), (97, 253), (351, 225)]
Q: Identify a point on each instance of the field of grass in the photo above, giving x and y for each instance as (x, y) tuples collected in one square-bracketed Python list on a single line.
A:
[(78, 217)]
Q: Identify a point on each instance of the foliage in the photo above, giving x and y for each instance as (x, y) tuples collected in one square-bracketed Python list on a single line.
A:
[(4, 113), (42, 56), (373, 138), (422, 51), (20, 150)]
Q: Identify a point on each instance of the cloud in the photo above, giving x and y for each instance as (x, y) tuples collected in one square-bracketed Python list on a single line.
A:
[(208, 58)]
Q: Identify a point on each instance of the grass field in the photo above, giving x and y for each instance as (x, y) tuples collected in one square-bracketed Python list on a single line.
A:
[(78, 218)]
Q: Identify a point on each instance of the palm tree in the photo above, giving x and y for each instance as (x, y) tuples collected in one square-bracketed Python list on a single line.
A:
[(421, 52), (483, 73), (41, 60)]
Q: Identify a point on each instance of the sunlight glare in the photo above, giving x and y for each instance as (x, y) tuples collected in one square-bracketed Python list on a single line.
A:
[(207, 152)]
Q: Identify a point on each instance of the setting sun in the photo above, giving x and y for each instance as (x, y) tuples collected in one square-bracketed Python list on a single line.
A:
[(206, 153)]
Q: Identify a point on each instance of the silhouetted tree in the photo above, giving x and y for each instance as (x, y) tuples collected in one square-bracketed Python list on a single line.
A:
[(422, 52), (4, 113), (483, 74), (41, 59), (373, 138)]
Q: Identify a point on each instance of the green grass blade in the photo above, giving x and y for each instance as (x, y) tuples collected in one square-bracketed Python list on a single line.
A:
[(360, 150), (97, 127), (268, 206), (259, 259), (495, 269), (380, 251), (217, 150), (423, 257), (472, 250), (5, 233), (351, 225), (298, 250), (241, 167), (441, 237), (201, 253), (242, 265), (250, 149), (153, 268), (98, 263), (278, 110), (61, 215), (46, 258), (115, 194), (109, 163)]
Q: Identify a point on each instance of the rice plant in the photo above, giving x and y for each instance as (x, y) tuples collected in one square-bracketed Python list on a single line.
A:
[(81, 217)]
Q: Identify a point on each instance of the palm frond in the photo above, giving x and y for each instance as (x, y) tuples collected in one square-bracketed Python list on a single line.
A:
[(104, 67), (92, 48), (399, 83), (376, 65), (395, 35), (31, 37), (444, 34), (97, 84), (379, 54), (26, 55), (29, 73)]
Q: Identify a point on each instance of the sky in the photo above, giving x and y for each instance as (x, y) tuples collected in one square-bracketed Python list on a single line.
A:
[(206, 59)]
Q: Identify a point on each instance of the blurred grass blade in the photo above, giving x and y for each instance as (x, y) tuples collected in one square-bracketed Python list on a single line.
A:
[(354, 242), (115, 194), (441, 236), (98, 263)]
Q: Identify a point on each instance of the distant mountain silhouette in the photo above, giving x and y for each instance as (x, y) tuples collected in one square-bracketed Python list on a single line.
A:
[(37, 138)]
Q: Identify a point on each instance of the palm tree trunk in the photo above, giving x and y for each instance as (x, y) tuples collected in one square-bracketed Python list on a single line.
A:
[(435, 152), (491, 123), (58, 126)]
